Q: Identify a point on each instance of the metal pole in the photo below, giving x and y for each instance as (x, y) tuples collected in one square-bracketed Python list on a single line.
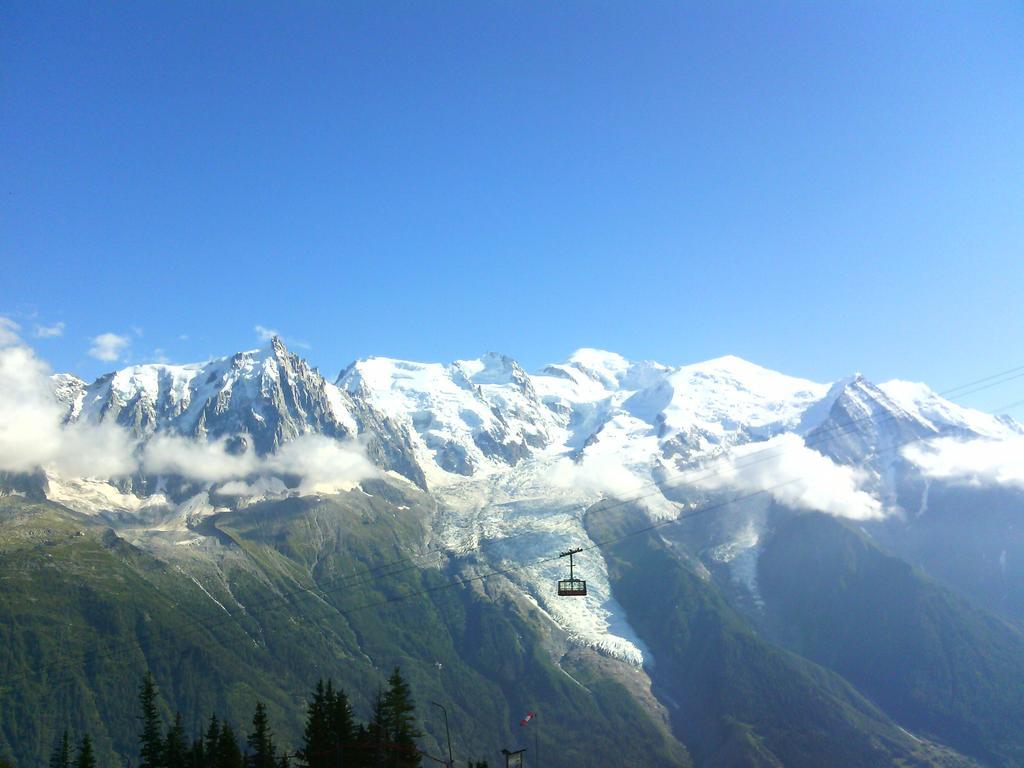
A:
[(447, 733), (536, 741)]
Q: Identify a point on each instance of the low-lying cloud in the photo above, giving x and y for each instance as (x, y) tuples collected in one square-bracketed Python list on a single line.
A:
[(980, 461), (32, 432), (793, 475), (34, 435), (601, 474), (321, 464), (782, 467), (207, 462)]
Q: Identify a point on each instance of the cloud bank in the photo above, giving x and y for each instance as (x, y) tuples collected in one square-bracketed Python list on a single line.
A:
[(981, 461), (32, 432), (794, 475), (782, 467), (321, 464), (601, 474), (34, 435)]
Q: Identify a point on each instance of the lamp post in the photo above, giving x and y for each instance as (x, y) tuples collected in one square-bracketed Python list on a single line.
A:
[(447, 733)]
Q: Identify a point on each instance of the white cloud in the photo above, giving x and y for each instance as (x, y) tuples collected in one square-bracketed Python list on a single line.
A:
[(323, 465), (265, 334), (794, 475), (9, 332), (29, 419), (782, 467), (49, 331), (32, 432), (108, 346), (599, 473), (981, 461), (208, 462)]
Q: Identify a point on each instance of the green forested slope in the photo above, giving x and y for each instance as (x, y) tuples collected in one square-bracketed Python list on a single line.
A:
[(83, 613), (737, 699), (932, 660)]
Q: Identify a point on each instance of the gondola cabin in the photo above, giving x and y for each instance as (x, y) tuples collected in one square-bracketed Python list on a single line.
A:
[(572, 587)]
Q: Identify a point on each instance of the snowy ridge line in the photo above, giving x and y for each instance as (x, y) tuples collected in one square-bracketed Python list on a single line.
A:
[(66, 666), (439, 424), (767, 453)]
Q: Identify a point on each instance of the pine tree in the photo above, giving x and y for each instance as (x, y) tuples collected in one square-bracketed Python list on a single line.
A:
[(377, 733), (212, 740), (86, 758), (197, 755), (151, 745), (401, 719), (61, 755), (228, 754), (284, 762), (260, 741), (175, 745), (342, 724), (316, 741)]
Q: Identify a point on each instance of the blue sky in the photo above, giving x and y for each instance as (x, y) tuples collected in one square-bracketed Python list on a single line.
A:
[(817, 187)]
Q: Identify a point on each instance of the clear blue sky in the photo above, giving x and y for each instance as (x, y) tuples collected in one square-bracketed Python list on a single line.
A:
[(820, 187)]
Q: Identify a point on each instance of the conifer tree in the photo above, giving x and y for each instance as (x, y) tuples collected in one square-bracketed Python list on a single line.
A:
[(228, 754), (61, 755), (401, 721), (151, 746), (342, 723), (316, 741), (197, 755), (377, 733), (86, 758), (212, 740), (175, 745), (260, 741), (284, 762)]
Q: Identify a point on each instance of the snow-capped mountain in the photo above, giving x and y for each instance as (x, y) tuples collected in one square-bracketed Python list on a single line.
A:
[(866, 424), (515, 459), (464, 418), (438, 424), (268, 396), (260, 399)]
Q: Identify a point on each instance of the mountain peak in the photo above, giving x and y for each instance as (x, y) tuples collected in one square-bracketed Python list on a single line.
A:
[(492, 368)]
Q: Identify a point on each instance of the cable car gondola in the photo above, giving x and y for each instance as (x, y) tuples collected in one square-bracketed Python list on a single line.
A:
[(572, 587)]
